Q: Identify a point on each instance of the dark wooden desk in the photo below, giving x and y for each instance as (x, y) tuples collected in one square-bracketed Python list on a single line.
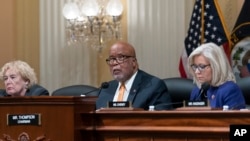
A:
[(61, 117), (210, 125), (74, 119)]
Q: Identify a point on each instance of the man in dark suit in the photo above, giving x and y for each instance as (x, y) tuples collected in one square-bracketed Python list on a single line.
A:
[(141, 88)]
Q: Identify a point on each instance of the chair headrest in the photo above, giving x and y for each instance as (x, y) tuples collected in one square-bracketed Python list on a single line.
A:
[(76, 90)]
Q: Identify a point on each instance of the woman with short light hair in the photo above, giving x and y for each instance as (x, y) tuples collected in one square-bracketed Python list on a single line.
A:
[(208, 64), (20, 80)]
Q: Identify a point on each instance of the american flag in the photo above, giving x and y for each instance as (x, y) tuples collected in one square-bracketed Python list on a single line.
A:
[(206, 25)]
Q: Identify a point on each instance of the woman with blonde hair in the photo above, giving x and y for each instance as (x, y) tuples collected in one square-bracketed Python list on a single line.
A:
[(20, 80), (208, 64)]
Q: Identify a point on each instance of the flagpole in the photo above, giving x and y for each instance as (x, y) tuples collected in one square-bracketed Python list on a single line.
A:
[(224, 26)]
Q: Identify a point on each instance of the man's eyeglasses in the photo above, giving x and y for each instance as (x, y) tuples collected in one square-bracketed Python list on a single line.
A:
[(120, 59), (200, 67)]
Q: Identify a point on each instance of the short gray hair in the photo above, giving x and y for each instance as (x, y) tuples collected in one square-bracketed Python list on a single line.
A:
[(21, 67)]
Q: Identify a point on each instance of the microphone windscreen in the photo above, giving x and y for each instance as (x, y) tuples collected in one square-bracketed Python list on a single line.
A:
[(205, 86), (105, 85)]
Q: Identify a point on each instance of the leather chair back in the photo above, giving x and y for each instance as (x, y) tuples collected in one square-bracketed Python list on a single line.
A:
[(2, 92), (179, 89), (76, 90), (244, 84)]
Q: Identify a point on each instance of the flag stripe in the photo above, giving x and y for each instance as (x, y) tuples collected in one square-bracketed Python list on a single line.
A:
[(182, 69)]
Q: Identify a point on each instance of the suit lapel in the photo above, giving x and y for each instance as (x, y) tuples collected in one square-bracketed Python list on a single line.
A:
[(135, 86), (110, 91)]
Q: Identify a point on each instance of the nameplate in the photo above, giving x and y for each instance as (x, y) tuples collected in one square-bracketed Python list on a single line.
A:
[(23, 119), (122, 104), (201, 103), (120, 109)]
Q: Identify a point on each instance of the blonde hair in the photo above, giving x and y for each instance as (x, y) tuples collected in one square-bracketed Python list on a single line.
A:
[(221, 68), (23, 68)]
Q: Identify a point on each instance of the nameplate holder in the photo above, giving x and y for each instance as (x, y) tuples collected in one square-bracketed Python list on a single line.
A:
[(23, 119), (200, 103), (119, 104)]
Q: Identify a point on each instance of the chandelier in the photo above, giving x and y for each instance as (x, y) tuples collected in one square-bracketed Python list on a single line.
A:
[(92, 22)]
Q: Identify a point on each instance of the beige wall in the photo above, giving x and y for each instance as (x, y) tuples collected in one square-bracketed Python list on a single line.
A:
[(7, 34), (7, 28), (103, 69), (27, 25), (19, 36)]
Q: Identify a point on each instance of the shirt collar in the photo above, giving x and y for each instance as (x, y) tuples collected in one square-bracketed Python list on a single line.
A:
[(128, 83)]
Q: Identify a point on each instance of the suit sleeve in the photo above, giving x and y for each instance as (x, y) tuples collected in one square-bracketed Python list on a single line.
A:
[(161, 97)]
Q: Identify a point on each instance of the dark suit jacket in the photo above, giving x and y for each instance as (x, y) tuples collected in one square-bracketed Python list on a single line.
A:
[(146, 90), (35, 90)]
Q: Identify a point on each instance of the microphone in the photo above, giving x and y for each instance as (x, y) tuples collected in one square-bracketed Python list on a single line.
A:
[(104, 85), (203, 91)]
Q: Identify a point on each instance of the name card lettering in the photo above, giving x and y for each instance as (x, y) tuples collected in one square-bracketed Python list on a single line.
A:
[(23, 119), (122, 104), (196, 104)]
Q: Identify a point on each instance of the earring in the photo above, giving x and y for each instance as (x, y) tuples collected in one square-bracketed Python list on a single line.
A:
[(26, 86)]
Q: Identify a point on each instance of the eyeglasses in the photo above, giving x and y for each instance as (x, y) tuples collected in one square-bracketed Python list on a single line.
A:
[(200, 67), (119, 59)]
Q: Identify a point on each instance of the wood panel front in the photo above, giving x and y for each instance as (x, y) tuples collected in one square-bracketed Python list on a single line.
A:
[(209, 125), (61, 117), (75, 119)]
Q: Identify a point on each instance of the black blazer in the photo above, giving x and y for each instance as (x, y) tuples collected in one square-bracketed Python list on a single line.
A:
[(146, 90), (35, 90)]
